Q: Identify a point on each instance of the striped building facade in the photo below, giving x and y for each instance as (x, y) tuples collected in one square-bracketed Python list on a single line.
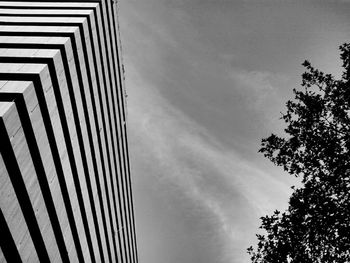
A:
[(65, 188)]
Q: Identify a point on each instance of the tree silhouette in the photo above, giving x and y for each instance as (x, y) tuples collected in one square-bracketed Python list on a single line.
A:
[(316, 148)]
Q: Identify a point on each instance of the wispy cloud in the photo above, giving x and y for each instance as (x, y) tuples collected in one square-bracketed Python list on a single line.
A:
[(188, 161)]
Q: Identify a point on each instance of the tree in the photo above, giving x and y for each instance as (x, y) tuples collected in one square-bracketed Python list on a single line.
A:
[(316, 225)]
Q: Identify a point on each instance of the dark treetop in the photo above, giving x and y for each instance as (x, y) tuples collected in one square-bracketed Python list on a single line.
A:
[(316, 225)]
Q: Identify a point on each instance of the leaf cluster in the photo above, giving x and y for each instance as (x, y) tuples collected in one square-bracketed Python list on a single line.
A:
[(316, 225)]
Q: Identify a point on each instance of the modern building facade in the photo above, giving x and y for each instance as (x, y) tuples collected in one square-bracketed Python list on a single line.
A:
[(65, 187)]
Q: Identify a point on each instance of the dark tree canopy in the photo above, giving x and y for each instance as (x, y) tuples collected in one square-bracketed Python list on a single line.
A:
[(316, 148)]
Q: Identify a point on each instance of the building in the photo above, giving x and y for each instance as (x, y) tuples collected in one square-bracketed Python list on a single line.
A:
[(64, 166)]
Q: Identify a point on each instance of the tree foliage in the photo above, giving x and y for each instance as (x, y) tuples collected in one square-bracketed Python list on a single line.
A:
[(316, 148)]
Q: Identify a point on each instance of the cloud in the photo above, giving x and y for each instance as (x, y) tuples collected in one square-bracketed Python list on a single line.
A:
[(259, 88), (210, 184)]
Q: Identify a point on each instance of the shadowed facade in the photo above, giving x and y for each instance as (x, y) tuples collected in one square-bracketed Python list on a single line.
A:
[(64, 166)]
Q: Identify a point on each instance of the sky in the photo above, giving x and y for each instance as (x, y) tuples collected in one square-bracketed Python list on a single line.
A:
[(206, 80)]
